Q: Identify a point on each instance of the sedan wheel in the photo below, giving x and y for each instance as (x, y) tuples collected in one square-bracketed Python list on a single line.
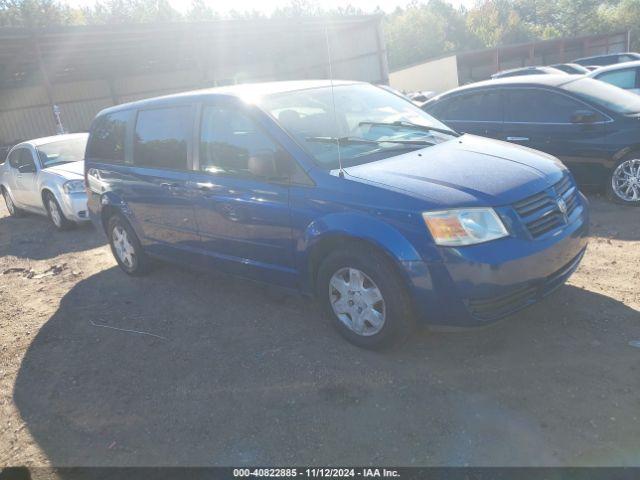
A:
[(357, 301), (9, 202), (625, 181), (54, 212)]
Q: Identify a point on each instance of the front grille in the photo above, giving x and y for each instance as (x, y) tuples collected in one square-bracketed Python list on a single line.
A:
[(541, 213)]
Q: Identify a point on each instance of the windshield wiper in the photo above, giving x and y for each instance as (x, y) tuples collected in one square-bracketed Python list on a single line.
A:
[(417, 126), (364, 141)]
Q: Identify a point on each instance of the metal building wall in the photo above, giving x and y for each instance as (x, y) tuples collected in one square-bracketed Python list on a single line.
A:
[(357, 50)]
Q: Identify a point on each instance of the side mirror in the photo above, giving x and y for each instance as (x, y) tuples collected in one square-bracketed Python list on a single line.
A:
[(271, 165), (584, 116), (28, 168)]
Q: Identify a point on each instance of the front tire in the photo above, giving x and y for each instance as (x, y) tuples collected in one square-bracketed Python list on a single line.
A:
[(624, 182), (364, 297), (126, 247), (55, 213)]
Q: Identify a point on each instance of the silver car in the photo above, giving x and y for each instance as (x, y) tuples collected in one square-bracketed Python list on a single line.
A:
[(46, 176)]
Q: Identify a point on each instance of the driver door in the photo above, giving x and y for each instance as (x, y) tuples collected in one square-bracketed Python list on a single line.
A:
[(25, 191)]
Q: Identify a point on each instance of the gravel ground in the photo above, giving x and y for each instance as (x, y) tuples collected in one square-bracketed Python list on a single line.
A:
[(225, 372)]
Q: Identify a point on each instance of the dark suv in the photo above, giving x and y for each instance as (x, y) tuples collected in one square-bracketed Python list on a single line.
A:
[(593, 127)]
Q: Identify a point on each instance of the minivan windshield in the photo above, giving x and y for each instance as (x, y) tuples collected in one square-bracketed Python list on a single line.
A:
[(62, 151), (606, 95), (369, 123)]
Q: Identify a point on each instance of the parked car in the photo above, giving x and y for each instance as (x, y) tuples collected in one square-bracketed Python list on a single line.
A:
[(375, 207), (516, 72), (571, 68), (622, 75), (593, 127), (46, 176), (608, 59)]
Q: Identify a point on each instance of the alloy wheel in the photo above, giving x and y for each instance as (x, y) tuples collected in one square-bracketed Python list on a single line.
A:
[(625, 180), (357, 301)]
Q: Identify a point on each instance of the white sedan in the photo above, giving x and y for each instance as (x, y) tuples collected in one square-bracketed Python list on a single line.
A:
[(46, 176)]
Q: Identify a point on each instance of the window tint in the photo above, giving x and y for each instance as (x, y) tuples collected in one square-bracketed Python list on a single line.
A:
[(622, 78), (539, 106), (107, 139), (21, 157), (162, 138), (228, 139), (14, 157), (479, 106)]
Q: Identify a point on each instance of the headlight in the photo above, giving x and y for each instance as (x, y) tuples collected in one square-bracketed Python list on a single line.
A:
[(73, 186), (465, 226)]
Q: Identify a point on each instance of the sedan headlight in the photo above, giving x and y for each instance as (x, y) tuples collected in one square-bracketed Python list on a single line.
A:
[(465, 226), (73, 186)]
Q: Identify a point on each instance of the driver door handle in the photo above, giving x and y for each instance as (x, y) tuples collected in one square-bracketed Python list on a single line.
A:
[(518, 139)]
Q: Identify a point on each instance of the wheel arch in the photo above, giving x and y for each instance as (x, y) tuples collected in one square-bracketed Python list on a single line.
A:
[(324, 236)]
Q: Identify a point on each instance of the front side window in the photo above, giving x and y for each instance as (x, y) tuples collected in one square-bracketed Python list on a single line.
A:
[(14, 157), (367, 122), (162, 138), (63, 151), (21, 158), (477, 106), (229, 139), (621, 78), (539, 106), (108, 137)]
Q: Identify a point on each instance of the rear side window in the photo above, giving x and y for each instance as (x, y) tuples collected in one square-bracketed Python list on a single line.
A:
[(539, 106), (478, 106), (107, 139), (621, 78), (162, 138)]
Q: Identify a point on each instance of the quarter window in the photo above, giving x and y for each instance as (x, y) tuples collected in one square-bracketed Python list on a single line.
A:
[(478, 106), (540, 106), (622, 78), (162, 138), (107, 139), (228, 139)]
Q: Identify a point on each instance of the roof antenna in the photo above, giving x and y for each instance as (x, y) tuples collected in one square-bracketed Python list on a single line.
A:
[(333, 99)]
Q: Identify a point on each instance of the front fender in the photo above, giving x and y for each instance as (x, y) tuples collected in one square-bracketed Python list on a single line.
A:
[(358, 227), (111, 202)]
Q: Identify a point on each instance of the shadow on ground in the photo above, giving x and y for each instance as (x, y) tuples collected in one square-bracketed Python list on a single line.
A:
[(231, 376), (34, 237)]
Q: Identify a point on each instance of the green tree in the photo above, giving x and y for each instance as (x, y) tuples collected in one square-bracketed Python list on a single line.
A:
[(37, 13)]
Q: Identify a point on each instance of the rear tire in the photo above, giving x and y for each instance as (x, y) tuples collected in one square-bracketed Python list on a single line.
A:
[(364, 297), (624, 181), (55, 212), (126, 247), (13, 210)]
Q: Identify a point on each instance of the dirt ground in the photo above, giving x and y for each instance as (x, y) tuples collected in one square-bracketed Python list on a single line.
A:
[(226, 373)]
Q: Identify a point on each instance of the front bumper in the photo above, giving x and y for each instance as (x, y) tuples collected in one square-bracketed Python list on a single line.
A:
[(477, 285), (74, 206)]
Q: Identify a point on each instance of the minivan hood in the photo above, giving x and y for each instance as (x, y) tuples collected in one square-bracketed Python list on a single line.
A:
[(71, 170), (465, 171)]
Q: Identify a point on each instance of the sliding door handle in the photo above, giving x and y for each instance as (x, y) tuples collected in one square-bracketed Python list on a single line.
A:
[(517, 139)]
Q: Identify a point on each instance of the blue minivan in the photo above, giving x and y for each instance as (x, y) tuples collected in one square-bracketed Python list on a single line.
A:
[(340, 190)]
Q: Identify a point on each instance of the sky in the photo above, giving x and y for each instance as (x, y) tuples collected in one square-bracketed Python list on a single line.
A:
[(266, 6)]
